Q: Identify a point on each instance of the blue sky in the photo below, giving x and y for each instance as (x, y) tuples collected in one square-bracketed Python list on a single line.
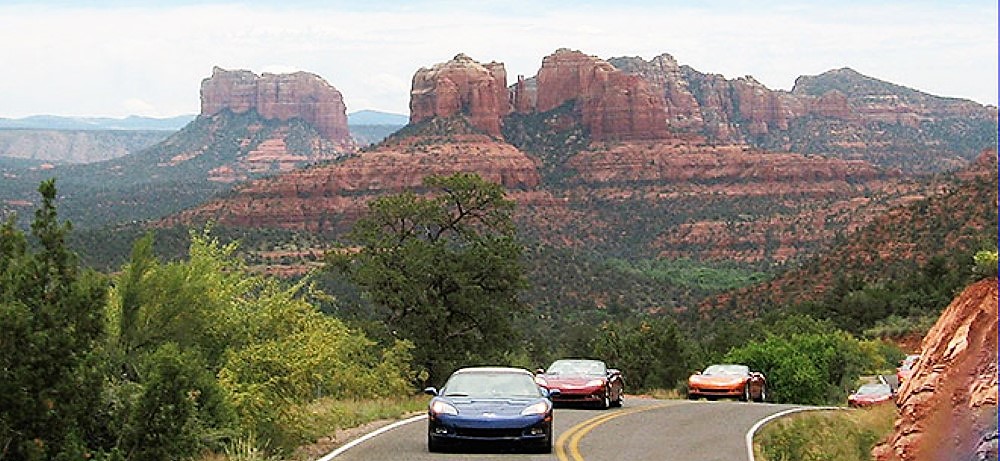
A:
[(116, 57)]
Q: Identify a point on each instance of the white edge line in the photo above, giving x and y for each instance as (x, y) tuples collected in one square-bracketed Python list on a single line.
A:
[(753, 430), (370, 435)]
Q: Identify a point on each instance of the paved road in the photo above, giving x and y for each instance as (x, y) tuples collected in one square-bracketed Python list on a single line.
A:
[(643, 430)]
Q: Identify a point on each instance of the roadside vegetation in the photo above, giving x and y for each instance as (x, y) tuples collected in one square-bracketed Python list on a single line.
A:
[(199, 357), (825, 435)]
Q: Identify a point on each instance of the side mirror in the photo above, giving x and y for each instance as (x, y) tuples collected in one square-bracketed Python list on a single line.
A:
[(431, 391), (539, 371)]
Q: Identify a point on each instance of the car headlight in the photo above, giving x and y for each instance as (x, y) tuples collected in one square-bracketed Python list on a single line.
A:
[(595, 382), (537, 408), (439, 407)]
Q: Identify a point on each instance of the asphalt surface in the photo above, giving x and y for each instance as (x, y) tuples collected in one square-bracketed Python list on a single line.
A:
[(642, 430)]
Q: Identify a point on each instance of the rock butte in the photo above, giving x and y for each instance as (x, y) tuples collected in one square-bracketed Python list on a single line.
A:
[(278, 96)]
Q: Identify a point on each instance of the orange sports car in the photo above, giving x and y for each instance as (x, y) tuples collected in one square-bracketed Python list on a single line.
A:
[(728, 381)]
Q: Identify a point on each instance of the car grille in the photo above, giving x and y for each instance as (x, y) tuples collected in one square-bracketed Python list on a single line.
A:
[(715, 391), (489, 433)]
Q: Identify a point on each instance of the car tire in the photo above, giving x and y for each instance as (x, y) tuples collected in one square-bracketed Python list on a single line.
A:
[(762, 397), (746, 393), (618, 402), (543, 448), (434, 445), (606, 401)]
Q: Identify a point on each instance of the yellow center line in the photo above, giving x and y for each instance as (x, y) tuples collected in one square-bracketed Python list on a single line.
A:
[(569, 441)]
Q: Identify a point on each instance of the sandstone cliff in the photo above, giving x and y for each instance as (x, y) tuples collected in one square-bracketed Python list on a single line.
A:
[(613, 105), (951, 399), (838, 113), (465, 87), (278, 96)]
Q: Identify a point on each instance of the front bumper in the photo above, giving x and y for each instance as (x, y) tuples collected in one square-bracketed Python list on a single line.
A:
[(459, 429), (569, 394), (715, 391)]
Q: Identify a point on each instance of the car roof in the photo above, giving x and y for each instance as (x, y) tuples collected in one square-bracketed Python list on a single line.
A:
[(578, 360), (492, 370)]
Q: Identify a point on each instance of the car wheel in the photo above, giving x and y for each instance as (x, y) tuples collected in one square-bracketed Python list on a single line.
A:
[(746, 393), (544, 447), (620, 400), (434, 445), (763, 394), (606, 401)]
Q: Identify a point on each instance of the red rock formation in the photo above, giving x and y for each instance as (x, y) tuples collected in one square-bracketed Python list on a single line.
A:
[(613, 104), (462, 86), (952, 395), (333, 196), (278, 96), (665, 77), (525, 95)]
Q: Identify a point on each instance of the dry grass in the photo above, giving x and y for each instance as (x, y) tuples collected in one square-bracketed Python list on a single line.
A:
[(825, 435), (328, 423)]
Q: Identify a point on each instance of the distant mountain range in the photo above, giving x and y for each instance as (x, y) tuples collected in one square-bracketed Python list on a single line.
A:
[(374, 117), (132, 122), (135, 122)]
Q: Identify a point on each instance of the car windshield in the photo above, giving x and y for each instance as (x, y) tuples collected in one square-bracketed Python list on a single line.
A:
[(577, 367), (727, 370), (909, 361), (873, 389), (491, 384)]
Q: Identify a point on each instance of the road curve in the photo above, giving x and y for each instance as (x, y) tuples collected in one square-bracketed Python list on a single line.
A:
[(644, 429)]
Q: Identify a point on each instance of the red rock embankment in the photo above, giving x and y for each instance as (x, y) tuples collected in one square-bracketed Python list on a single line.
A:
[(952, 396)]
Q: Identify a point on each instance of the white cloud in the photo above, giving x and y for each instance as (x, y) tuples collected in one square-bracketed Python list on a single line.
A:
[(82, 60)]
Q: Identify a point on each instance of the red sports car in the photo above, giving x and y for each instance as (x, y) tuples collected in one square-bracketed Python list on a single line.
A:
[(583, 381), (728, 381), (870, 394)]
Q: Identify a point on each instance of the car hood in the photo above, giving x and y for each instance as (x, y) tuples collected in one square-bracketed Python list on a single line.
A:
[(495, 406), (717, 380), (869, 396), (554, 381)]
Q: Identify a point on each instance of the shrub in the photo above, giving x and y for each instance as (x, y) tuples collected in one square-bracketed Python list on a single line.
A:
[(811, 368), (985, 263)]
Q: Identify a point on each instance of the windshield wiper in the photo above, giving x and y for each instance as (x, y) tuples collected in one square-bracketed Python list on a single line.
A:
[(456, 394)]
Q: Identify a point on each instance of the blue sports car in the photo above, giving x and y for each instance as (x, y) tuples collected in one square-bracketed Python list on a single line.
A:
[(485, 404)]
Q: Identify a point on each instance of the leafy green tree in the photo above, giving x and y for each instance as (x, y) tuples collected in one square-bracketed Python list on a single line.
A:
[(209, 351), (808, 368), (51, 319), (171, 415), (445, 270), (653, 353)]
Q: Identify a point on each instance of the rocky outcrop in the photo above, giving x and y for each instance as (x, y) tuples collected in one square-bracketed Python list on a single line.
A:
[(950, 402), (665, 77), (840, 112), (278, 96), (331, 197), (613, 104), (465, 87)]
